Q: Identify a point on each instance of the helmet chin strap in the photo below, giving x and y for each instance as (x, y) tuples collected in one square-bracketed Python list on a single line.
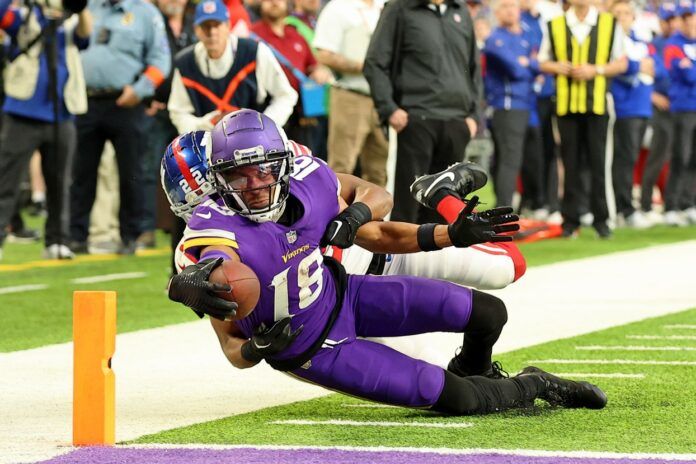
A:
[(268, 216)]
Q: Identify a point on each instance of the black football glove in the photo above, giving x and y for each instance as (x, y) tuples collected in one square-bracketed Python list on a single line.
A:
[(267, 342), (342, 229), (471, 228), (193, 289)]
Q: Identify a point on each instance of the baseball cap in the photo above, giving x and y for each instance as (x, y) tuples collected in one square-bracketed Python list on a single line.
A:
[(667, 11), (685, 7), (211, 10)]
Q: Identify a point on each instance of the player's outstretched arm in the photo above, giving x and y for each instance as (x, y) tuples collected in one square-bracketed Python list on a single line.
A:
[(469, 229), (397, 237), (231, 341)]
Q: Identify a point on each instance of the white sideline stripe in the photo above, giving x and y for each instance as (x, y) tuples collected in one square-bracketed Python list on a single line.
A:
[(449, 451), (679, 326), (22, 288), (634, 348), (370, 405), (615, 375), (662, 337), (109, 277), (435, 425), (646, 362)]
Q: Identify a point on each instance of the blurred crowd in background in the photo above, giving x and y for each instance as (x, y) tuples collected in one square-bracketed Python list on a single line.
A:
[(583, 111)]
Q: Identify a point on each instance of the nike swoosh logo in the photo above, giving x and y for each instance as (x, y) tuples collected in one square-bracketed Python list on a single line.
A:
[(208, 215), (448, 175), (262, 346), (340, 224)]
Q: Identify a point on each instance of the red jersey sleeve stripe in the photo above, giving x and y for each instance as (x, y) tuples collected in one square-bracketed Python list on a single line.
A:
[(672, 52)]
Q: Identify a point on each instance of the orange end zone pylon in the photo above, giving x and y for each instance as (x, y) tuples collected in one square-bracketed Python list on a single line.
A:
[(94, 340)]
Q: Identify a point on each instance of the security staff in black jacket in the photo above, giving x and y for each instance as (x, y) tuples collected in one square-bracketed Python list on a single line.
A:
[(424, 74)]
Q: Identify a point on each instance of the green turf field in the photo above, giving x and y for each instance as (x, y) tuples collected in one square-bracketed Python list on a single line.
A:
[(36, 318), (651, 412)]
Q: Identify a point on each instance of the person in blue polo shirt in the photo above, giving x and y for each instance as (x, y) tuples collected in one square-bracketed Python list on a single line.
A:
[(508, 81), (631, 91), (128, 58), (31, 122), (680, 61)]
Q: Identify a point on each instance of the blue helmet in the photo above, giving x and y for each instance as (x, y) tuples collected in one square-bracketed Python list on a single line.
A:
[(184, 172)]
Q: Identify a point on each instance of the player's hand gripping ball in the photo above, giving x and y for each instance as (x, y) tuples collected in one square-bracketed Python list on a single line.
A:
[(192, 288), (245, 286)]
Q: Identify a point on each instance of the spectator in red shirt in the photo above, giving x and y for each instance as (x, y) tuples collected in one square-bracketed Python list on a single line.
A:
[(284, 39)]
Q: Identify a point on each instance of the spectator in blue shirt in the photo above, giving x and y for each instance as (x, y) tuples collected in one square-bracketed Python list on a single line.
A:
[(30, 121), (680, 61), (662, 123), (127, 60), (631, 91), (540, 137), (510, 72)]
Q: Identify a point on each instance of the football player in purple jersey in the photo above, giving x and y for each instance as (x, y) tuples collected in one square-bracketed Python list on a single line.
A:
[(279, 212), (483, 266)]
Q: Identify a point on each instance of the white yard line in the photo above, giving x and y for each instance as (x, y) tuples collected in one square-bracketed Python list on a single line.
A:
[(22, 288), (661, 337), (644, 362), (434, 425), (157, 370), (369, 406), (615, 375), (634, 348), (680, 326), (109, 277), (447, 451)]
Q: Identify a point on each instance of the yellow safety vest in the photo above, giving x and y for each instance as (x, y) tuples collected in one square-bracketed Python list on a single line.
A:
[(574, 96)]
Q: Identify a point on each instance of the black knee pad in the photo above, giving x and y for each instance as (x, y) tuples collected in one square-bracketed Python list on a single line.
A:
[(488, 313)]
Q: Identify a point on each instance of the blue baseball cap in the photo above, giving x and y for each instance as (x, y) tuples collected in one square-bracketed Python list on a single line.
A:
[(667, 11), (211, 10), (685, 7)]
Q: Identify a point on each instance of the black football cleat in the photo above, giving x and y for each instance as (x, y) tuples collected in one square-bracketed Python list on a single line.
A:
[(460, 179), (568, 393)]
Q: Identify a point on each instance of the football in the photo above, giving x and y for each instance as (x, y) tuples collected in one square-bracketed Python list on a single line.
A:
[(246, 288)]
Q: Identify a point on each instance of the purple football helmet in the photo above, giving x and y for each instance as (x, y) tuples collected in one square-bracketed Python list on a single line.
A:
[(250, 165)]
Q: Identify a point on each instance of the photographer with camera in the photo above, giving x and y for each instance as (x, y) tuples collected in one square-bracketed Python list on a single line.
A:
[(45, 89), (128, 58)]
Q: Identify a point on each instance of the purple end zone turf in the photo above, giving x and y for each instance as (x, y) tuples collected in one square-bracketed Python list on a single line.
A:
[(104, 455)]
